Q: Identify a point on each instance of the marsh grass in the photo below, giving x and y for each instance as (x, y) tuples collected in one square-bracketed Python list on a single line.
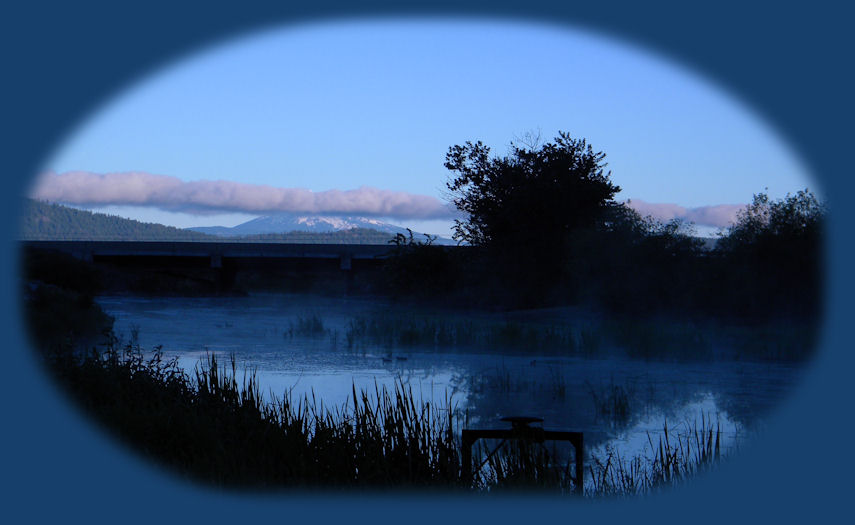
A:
[(214, 426), (644, 339), (778, 340), (590, 341), (612, 401), (519, 465), (217, 429), (674, 458), (58, 317), (557, 384), (700, 340), (504, 380), (636, 338), (309, 326), (438, 332)]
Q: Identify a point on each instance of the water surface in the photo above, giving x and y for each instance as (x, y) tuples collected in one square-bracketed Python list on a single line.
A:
[(568, 392)]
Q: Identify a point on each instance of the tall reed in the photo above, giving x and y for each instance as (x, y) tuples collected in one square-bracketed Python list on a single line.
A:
[(211, 427), (411, 330), (216, 428), (673, 459)]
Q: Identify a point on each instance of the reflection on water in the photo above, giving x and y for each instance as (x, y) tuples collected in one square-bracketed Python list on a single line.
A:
[(639, 438), (617, 403)]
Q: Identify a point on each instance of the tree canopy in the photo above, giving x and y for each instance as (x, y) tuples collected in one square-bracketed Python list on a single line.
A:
[(793, 219), (774, 253), (555, 188)]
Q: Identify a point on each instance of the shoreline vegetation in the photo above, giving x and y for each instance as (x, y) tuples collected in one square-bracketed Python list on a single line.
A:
[(211, 426), (651, 339)]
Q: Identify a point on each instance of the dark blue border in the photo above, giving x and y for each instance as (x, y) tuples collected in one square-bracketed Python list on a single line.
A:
[(59, 61)]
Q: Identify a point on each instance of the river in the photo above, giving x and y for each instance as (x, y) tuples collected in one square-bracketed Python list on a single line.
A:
[(619, 403)]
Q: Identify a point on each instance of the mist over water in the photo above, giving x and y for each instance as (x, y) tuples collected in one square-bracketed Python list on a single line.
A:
[(619, 403)]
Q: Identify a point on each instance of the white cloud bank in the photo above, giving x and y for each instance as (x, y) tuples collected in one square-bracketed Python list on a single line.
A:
[(205, 196), (719, 216)]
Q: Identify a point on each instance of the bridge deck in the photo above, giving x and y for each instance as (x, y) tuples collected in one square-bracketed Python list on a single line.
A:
[(89, 249)]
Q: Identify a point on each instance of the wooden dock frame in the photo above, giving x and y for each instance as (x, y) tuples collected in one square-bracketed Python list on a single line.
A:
[(526, 433)]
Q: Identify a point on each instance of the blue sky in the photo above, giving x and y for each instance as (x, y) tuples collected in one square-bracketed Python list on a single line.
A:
[(361, 114)]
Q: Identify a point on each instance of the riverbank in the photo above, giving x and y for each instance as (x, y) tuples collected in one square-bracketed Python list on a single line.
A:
[(227, 435), (214, 428)]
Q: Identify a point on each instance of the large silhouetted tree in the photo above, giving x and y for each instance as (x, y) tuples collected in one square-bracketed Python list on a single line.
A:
[(555, 188), (525, 208)]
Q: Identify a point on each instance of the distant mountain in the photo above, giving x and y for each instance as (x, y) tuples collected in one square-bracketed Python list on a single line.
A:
[(289, 222), (47, 221), (352, 236), (54, 222)]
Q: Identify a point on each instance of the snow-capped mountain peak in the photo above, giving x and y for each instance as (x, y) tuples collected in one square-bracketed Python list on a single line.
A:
[(289, 222)]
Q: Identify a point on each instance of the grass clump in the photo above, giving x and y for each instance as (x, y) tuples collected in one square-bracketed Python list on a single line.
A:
[(412, 330), (504, 380), (62, 317), (666, 339), (612, 401), (675, 458), (214, 428), (310, 326), (635, 338), (520, 465)]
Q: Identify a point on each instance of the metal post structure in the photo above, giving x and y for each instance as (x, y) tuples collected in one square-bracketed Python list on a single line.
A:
[(521, 430)]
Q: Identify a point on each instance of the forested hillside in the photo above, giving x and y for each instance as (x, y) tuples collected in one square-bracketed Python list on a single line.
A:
[(47, 221)]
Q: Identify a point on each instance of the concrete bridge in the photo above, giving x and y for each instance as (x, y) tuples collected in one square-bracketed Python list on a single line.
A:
[(216, 252)]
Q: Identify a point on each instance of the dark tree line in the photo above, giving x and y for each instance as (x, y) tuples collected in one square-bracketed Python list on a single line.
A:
[(47, 221), (543, 229), (773, 255)]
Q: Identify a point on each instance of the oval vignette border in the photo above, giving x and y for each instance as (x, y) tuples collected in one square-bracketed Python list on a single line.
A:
[(61, 465)]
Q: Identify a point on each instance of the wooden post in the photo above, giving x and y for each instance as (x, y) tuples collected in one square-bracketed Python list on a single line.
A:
[(579, 445), (468, 439), (520, 430)]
